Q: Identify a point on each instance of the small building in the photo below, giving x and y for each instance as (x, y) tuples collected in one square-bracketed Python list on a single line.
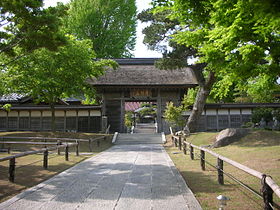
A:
[(70, 114), (217, 117)]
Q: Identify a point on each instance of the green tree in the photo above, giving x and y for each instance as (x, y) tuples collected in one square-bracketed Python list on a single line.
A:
[(173, 115), (25, 24), (110, 24), (48, 76), (157, 37), (128, 119), (237, 44), (147, 110)]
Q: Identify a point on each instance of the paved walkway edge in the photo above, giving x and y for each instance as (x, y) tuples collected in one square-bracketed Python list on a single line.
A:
[(186, 191)]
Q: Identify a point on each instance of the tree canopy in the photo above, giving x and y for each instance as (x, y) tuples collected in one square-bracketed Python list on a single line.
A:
[(48, 76), (158, 37), (111, 25), (26, 25), (237, 44), (239, 41)]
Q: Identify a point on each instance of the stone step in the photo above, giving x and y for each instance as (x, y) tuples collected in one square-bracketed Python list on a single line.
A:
[(145, 125), (139, 139), (144, 130)]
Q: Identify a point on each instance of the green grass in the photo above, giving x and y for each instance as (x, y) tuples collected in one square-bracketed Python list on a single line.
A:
[(33, 172), (259, 150)]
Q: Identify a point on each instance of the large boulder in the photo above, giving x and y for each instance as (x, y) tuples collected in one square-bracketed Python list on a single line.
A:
[(229, 135)]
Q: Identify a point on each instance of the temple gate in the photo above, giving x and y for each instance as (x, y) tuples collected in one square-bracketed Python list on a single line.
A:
[(138, 80)]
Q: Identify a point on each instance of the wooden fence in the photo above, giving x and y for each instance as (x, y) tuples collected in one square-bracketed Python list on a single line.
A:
[(57, 146), (45, 151), (268, 185), (58, 140)]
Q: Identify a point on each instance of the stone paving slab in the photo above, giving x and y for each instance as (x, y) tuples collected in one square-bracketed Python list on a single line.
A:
[(122, 177)]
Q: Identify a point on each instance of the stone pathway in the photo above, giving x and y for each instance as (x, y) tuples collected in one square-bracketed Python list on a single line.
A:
[(123, 177)]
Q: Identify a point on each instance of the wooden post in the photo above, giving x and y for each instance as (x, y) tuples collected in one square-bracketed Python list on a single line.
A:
[(267, 194), (58, 150), (98, 142), (18, 114), (220, 167), (180, 143), (45, 162), (7, 120), (77, 120), (12, 166), (41, 120), (175, 142), (9, 149), (64, 121), (159, 114), (90, 145), (202, 160), (191, 152), (122, 114), (88, 130), (185, 148), (77, 148), (67, 152)]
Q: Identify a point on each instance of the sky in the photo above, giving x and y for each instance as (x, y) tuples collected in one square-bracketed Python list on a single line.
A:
[(141, 50)]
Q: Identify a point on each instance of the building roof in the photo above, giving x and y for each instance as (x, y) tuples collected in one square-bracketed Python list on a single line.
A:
[(14, 98), (11, 98), (136, 61), (140, 72), (241, 105)]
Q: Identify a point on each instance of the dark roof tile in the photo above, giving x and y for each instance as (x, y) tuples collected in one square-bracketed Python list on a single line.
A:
[(145, 75)]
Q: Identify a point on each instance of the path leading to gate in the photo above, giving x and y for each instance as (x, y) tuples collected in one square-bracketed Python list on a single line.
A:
[(135, 176)]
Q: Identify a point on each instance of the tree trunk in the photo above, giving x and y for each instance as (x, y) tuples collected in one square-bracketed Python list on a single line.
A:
[(200, 100), (53, 117)]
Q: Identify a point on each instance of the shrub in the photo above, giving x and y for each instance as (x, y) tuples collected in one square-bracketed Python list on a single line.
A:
[(276, 113), (248, 125), (173, 115), (260, 113), (128, 119)]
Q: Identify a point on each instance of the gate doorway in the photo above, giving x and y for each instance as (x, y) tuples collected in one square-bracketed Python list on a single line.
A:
[(140, 117), (116, 99)]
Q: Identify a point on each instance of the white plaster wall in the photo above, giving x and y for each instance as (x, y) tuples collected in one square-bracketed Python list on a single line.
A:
[(246, 111), (35, 114), (95, 113), (83, 113), (210, 111), (13, 114), (24, 113), (59, 113), (223, 111), (234, 111), (3, 113), (47, 113), (71, 113)]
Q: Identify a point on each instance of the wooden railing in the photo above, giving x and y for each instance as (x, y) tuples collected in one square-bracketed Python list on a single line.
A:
[(45, 151), (90, 140), (57, 146), (268, 184)]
